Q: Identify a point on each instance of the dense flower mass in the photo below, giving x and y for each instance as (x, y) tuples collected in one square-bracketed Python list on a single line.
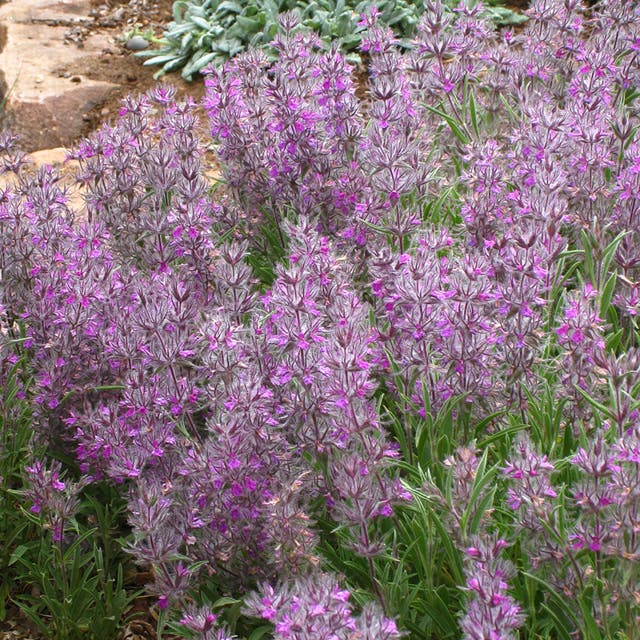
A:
[(419, 285)]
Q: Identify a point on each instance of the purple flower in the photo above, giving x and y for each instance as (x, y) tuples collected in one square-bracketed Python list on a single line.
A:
[(491, 612)]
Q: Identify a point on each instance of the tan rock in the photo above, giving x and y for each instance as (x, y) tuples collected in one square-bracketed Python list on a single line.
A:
[(43, 106), (66, 11), (54, 157)]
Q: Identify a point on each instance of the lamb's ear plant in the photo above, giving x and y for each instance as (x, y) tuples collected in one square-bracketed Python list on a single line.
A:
[(207, 32)]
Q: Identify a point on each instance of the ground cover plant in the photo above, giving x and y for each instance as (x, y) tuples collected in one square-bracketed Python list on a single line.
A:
[(206, 31), (382, 382)]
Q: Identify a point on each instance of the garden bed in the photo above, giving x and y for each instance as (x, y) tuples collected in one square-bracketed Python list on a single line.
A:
[(376, 378)]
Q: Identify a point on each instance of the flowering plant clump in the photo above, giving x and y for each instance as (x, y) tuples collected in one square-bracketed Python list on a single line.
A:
[(384, 380)]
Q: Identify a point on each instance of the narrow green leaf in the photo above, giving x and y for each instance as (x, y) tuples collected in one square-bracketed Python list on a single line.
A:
[(591, 631), (225, 601), (260, 632), (509, 108), (17, 554), (552, 595), (606, 295), (473, 114), (609, 253), (606, 411), (589, 266), (453, 124), (614, 340), (440, 613), (560, 626)]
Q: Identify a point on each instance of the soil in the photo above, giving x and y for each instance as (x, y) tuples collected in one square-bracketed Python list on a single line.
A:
[(518, 5)]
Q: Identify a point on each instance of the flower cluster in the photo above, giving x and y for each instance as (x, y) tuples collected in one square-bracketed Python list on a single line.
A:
[(491, 612), (317, 607), (202, 624), (52, 497)]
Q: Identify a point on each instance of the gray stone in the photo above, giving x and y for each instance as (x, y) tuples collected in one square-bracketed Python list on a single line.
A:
[(137, 43)]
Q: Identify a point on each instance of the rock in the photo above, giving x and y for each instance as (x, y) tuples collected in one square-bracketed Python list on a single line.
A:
[(46, 90), (53, 120), (53, 157), (45, 11), (43, 108), (137, 43)]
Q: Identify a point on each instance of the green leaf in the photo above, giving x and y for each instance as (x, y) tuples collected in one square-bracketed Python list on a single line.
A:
[(454, 125), (179, 30), (33, 614), (179, 6), (473, 114), (199, 63), (260, 632), (614, 340), (503, 16), (17, 554), (553, 596), (225, 601), (444, 538), (201, 22), (248, 25), (591, 629), (441, 614), (186, 41), (609, 253), (606, 294), (560, 626), (501, 434), (230, 6), (482, 480), (509, 108), (606, 411), (163, 59)]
